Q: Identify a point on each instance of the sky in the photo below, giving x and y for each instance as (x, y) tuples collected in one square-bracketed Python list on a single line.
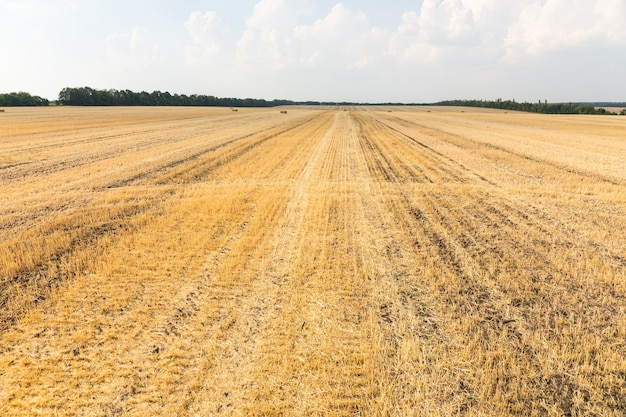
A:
[(327, 50)]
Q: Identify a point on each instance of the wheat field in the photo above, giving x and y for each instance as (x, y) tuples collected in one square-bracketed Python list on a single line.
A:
[(339, 261)]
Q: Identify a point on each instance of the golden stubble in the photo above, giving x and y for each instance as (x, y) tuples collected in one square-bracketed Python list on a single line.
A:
[(351, 261)]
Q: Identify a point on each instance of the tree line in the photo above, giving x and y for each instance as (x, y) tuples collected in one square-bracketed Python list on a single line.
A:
[(87, 96), (22, 99), (539, 107)]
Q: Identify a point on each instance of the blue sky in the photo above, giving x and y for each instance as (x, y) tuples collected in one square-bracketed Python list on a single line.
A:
[(406, 51)]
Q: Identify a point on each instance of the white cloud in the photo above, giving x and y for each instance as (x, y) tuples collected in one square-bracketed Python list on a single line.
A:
[(566, 24), (445, 21), (339, 49), (407, 44), (276, 38), (279, 15), (206, 30), (135, 49), (445, 30), (268, 41), (342, 39)]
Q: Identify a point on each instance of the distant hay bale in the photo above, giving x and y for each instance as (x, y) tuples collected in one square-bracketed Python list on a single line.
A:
[(235, 110), (283, 111), (1, 110)]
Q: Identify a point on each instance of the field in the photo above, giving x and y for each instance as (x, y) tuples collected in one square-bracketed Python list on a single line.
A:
[(324, 261)]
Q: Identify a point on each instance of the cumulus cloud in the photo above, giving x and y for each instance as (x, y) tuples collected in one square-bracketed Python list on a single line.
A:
[(342, 38), (277, 37), (491, 31), (439, 30), (137, 48), (268, 40), (565, 24), (206, 30), (446, 21), (279, 15), (460, 45)]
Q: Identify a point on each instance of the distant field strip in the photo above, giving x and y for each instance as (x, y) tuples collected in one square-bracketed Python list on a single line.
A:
[(327, 261)]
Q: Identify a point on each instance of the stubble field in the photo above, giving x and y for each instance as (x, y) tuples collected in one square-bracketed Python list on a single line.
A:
[(327, 261)]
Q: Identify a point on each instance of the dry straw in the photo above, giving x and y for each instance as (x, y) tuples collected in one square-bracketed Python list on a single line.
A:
[(352, 261)]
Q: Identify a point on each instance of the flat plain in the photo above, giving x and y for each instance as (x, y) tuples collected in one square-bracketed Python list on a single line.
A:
[(376, 261)]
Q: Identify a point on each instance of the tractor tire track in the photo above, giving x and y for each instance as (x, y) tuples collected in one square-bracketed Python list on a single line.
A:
[(344, 262), (83, 234), (464, 142), (482, 262)]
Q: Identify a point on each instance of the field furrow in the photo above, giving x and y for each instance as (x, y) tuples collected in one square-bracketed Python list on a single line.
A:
[(69, 213), (507, 274), (326, 261)]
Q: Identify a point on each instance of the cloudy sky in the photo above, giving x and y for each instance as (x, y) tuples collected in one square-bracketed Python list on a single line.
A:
[(329, 50)]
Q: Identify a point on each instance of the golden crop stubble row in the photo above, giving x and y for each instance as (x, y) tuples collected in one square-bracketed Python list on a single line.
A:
[(571, 169), (53, 222), (151, 260), (522, 287), (355, 262), (297, 348), (121, 335)]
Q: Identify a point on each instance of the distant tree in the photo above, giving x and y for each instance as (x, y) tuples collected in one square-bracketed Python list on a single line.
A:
[(539, 107), (87, 96), (22, 99), (83, 96)]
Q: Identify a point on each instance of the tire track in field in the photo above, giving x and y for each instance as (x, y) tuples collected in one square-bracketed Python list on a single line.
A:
[(405, 328), (218, 317), (419, 160), (482, 279), (82, 233), (379, 163), (166, 319), (528, 162), (103, 146), (544, 224), (549, 221), (97, 177), (451, 168), (530, 289), (414, 325), (288, 364), (182, 334), (433, 257), (197, 167), (351, 272), (205, 163)]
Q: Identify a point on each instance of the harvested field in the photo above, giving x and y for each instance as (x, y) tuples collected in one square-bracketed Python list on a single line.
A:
[(351, 261)]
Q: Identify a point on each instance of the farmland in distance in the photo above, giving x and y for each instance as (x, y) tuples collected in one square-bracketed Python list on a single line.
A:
[(386, 261)]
